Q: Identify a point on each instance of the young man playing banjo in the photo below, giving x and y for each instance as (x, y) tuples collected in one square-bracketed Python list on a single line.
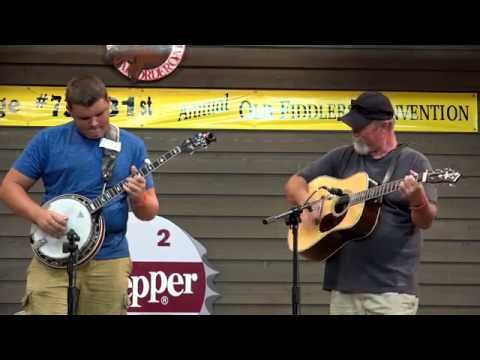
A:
[(376, 272), (70, 159)]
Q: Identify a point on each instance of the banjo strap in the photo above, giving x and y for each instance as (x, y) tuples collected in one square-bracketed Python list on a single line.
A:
[(111, 148)]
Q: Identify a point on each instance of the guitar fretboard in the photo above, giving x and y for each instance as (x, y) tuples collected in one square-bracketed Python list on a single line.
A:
[(116, 190), (375, 192)]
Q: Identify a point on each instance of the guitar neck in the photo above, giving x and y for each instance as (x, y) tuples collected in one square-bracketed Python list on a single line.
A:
[(375, 192), (117, 190)]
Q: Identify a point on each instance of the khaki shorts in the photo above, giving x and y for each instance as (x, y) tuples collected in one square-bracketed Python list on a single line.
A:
[(389, 303), (102, 285)]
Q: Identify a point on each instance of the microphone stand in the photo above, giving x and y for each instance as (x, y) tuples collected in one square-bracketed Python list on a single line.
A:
[(72, 248), (292, 219)]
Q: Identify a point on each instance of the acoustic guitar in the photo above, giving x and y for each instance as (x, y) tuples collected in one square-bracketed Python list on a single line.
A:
[(349, 210)]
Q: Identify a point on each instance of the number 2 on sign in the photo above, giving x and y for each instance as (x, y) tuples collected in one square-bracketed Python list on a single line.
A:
[(164, 236)]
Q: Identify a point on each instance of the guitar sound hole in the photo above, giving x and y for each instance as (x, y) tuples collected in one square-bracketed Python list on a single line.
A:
[(341, 204)]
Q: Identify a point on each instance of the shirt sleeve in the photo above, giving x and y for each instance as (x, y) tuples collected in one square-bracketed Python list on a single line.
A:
[(141, 160), (325, 165), (421, 165), (33, 159)]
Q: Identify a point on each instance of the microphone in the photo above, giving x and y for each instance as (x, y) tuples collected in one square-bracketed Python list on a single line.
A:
[(72, 236), (71, 246)]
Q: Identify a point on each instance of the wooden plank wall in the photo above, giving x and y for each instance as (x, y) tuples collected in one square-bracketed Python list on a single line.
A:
[(220, 196)]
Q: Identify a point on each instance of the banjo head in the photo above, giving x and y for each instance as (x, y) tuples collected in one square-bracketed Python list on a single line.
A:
[(50, 249)]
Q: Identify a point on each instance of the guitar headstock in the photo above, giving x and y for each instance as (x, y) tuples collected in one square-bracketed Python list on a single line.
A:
[(197, 142), (437, 176)]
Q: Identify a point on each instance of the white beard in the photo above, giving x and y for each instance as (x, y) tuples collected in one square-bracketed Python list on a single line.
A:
[(360, 147)]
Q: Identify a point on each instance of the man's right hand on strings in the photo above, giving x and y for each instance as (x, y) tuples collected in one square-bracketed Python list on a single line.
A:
[(51, 222)]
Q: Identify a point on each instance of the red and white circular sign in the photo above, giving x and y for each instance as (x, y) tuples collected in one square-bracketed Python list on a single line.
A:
[(170, 273), (145, 62)]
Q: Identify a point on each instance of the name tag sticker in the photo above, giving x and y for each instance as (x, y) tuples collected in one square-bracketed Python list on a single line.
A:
[(110, 145)]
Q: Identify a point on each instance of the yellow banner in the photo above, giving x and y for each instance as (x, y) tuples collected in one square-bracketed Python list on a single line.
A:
[(240, 109)]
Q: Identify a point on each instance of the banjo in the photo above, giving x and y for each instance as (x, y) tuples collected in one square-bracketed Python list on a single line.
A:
[(84, 217)]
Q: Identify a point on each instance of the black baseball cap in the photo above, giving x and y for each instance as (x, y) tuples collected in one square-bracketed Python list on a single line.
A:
[(369, 106)]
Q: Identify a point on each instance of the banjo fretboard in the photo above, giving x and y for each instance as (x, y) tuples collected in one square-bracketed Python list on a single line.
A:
[(117, 190)]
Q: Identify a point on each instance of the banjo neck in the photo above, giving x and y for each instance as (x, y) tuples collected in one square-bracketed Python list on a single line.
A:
[(113, 192)]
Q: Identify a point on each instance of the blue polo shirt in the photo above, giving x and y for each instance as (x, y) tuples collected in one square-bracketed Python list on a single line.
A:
[(69, 163)]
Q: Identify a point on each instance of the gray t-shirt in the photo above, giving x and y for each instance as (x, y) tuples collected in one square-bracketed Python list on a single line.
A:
[(387, 260)]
